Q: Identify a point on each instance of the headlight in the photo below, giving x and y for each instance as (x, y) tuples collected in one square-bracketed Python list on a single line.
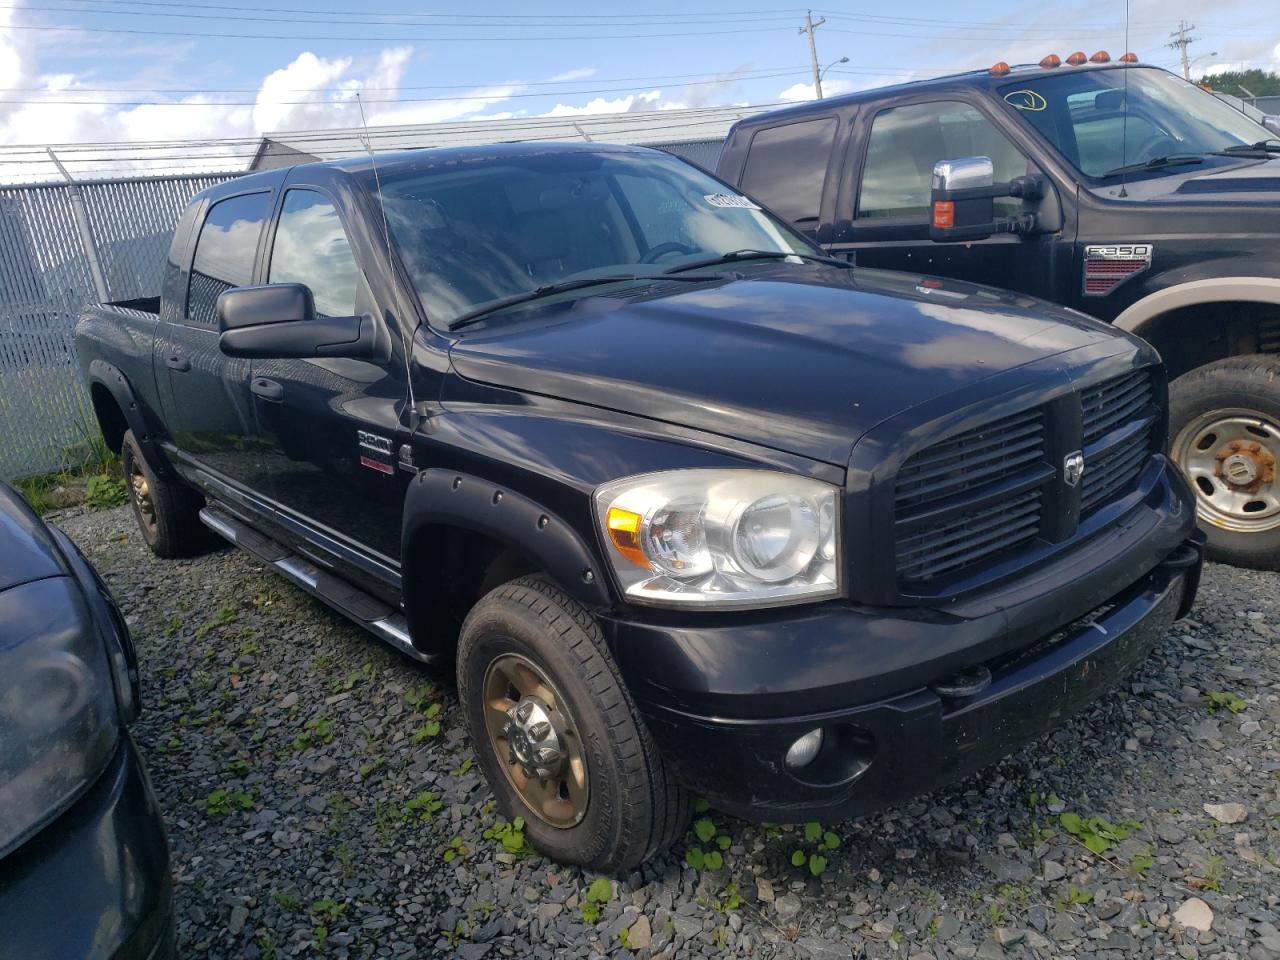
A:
[(58, 715), (722, 538)]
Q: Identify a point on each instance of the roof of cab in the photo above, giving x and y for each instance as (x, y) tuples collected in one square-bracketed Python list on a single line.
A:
[(981, 79), (424, 158)]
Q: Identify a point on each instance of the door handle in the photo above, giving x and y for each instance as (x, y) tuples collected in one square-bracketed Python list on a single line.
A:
[(268, 390), (178, 362)]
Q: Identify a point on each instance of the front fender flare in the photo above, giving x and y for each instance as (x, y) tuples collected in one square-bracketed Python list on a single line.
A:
[(449, 498), (1194, 292)]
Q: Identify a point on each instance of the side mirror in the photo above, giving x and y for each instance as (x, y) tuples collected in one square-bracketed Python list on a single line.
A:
[(278, 321), (962, 203)]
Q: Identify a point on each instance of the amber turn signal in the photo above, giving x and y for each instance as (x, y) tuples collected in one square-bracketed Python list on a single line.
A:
[(1077, 58), (1100, 57), (1051, 61), (999, 69), (624, 533), (944, 214)]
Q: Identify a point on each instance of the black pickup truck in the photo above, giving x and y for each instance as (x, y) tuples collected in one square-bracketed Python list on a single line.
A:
[(1162, 218), (694, 508)]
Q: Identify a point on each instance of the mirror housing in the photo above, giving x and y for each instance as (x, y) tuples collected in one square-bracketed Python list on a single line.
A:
[(277, 321), (962, 204)]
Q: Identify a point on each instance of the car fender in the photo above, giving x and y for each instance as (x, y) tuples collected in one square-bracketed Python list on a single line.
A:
[(117, 384)]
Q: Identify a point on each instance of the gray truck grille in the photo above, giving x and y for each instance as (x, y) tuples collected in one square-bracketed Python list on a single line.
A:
[(971, 500)]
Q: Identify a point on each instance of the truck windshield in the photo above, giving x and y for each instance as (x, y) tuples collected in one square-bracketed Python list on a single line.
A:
[(1082, 114), (480, 233)]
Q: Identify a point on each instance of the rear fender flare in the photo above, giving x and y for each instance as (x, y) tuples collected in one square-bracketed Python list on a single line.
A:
[(117, 384), (450, 498)]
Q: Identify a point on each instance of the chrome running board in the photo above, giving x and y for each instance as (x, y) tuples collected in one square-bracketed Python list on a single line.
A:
[(367, 611)]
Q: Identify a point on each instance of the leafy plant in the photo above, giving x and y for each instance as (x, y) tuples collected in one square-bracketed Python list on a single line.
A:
[(1216, 700), (344, 684), (373, 766), (453, 849), (104, 490), (463, 767), (510, 836), (598, 894), (287, 899), (698, 858), (417, 696), (328, 910), (423, 807), (432, 727), (238, 766), (819, 841), (1211, 878), (729, 899), (223, 802), (1095, 832), (1074, 897), (315, 731), (1140, 863)]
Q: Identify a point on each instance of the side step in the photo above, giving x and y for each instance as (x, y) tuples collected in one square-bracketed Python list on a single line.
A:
[(375, 616)]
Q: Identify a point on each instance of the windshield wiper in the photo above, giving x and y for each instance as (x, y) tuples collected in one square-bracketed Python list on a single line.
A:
[(1155, 163), (548, 289), (750, 254), (1269, 145)]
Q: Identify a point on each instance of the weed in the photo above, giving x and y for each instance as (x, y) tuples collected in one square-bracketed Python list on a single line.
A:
[(373, 766), (319, 934), (417, 696), (346, 860), (432, 726), (222, 802), (104, 490), (598, 894), (729, 899), (224, 616), (510, 836), (344, 684), (453, 849), (249, 647), (817, 841), (932, 928), (1212, 877), (463, 767), (1095, 832), (385, 819), (339, 807), (238, 766), (699, 859), (1216, 700), (327, 910), (1074, 897), (422, 807), (315, 731), (267, 947), (286, 899), (1140, 863)]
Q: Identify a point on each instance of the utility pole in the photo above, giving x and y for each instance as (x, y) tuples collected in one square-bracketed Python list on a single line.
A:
[(811, 25), (1181, 41), (81, 218)]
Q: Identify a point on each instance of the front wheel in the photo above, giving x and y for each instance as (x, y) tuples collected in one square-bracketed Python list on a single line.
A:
[(557, 735), (168, 512), (1224, 429)]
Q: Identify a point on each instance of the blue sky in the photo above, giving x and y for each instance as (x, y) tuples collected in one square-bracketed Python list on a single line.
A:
[(76, 71)]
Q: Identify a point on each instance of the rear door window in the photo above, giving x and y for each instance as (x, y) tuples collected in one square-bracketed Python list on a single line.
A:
[(225, 253), (906, 142), (787, 166)]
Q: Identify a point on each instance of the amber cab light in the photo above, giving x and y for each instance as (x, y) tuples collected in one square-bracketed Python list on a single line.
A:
[(1077, 58), (944, 214), (1129, 58), (1100, 57), (999, 69), (1051, 61)]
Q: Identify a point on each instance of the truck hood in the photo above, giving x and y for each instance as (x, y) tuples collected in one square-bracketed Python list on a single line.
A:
[(1247, 181), (803, 359), (27, 551)]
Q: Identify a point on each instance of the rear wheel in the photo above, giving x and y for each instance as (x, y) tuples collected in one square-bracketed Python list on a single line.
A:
[(168, 513), (557, 734), (1224, 428)]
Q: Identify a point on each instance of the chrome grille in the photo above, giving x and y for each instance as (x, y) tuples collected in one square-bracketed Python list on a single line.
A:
[(986, 454), (954, 544)]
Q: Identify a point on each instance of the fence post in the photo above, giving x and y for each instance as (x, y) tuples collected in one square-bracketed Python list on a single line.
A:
[(81, 217)]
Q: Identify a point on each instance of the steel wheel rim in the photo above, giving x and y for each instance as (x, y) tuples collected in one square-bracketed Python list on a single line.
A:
[(511, 682), (140, 494), (1230, 458)]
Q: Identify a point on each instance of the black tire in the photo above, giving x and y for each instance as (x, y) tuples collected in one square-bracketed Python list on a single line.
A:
[(172, 528), (634, 809), (1245, 387)]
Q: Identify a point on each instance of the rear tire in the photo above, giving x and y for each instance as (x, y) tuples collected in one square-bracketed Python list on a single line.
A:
[(623, 808), (1224, 433), (167, 511)]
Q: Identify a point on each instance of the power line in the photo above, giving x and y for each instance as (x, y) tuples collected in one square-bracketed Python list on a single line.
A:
[(1180, 43)]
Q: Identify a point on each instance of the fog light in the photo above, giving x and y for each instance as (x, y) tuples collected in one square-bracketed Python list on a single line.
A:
[(801, 753)]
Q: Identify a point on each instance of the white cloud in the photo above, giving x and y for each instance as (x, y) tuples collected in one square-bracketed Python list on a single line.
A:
[(578, 73), (804, 91), (632, 101)]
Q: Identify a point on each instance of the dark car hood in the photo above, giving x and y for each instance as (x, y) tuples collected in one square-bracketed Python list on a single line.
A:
[(801, 359), (27, 551), (1241, 181)]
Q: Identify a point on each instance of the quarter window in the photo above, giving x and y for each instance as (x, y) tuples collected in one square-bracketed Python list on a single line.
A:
[(312, 248), (786, 168), (225, 253), (907, 141)]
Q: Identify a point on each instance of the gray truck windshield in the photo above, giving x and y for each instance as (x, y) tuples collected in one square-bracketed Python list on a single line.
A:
[(475, 233), (1082, 114)]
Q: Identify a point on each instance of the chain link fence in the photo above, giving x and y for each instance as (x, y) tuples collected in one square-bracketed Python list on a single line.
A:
[(63, 246)]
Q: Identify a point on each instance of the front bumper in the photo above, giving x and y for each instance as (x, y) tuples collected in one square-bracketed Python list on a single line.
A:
[(94, 883), (721, 700)]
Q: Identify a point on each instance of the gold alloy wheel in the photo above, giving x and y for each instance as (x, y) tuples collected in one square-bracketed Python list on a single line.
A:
[(1230, 458), (536, 740), (140, 492)]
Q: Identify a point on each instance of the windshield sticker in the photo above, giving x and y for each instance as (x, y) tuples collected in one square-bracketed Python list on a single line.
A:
[(1025, 100), (729, 201)]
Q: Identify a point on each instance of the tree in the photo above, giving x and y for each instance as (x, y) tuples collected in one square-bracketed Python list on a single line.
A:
[(1260, 83)]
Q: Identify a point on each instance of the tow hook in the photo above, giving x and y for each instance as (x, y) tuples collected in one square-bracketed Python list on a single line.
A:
[(963, 683)]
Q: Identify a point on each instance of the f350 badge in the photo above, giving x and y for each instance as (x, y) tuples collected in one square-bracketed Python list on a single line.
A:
[(1107, 265), (375, 452)]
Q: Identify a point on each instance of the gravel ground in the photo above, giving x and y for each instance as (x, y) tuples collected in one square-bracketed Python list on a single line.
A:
[(321, 799)]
